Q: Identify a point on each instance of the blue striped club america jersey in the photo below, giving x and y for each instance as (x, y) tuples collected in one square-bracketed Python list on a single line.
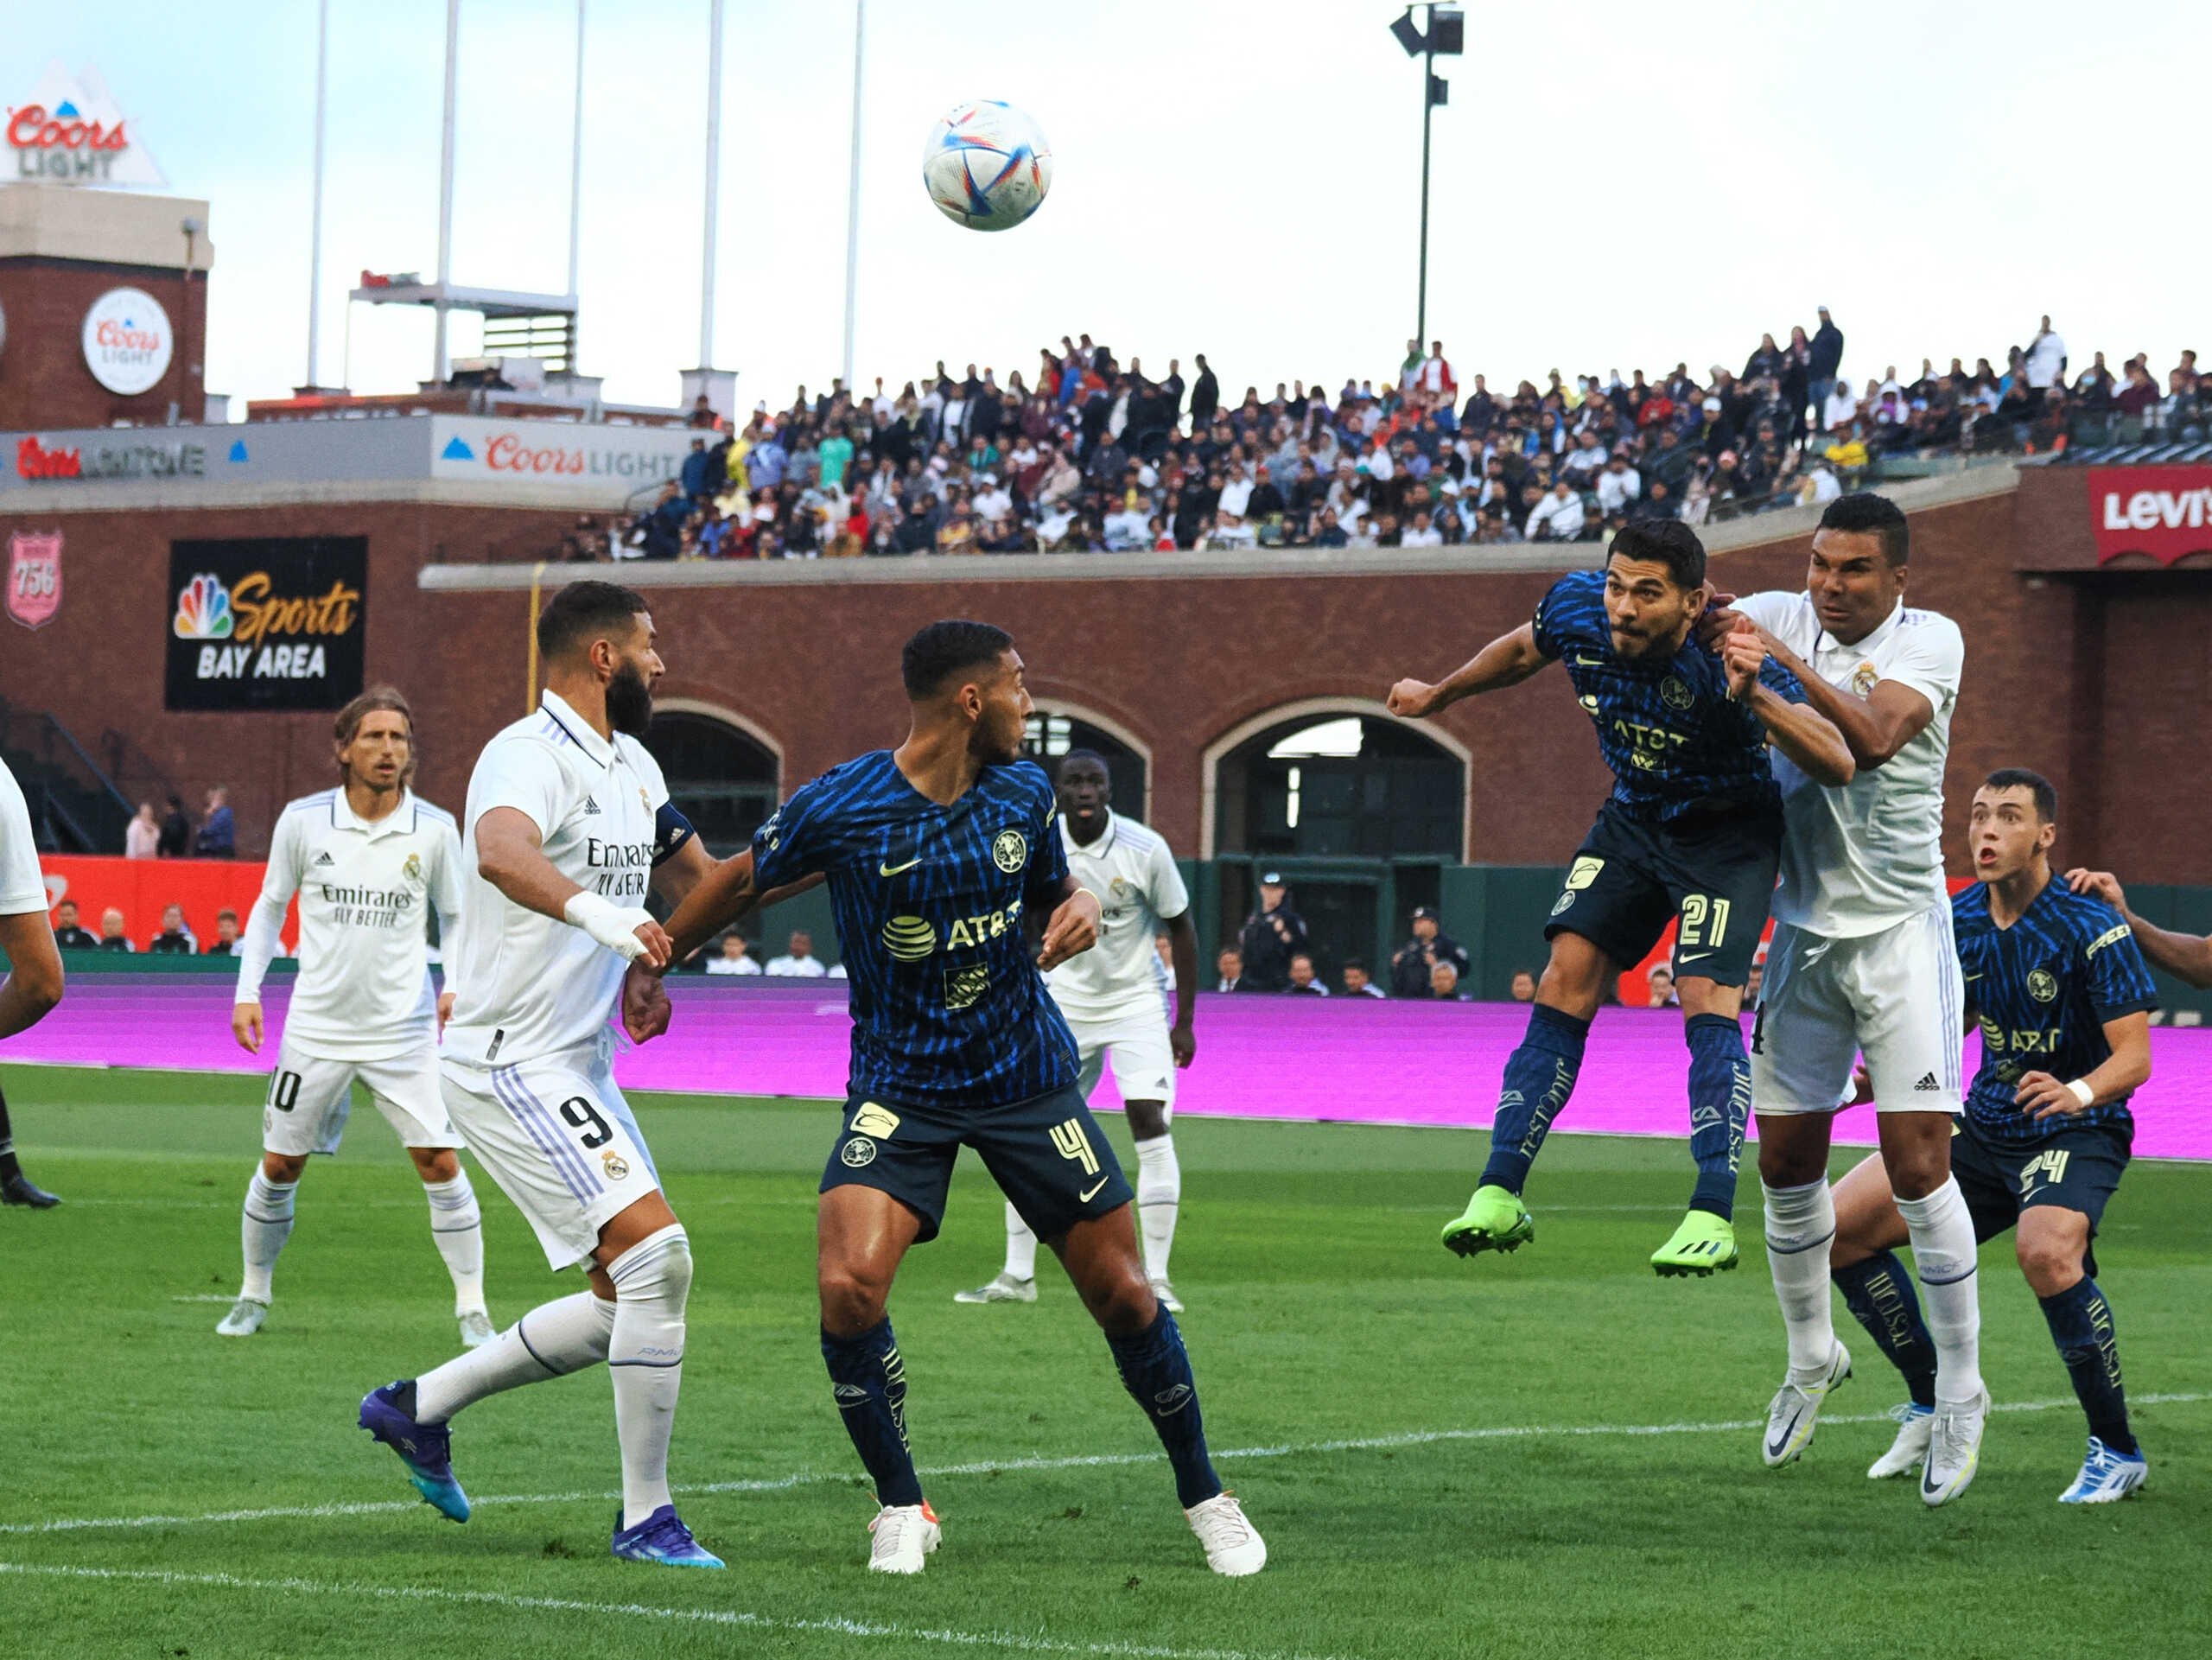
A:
[(2042, 989), (1675, 741), (948, 1007)]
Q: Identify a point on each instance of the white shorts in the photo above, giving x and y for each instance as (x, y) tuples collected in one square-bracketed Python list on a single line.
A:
[(1893, 996), (559, 1139), (309, 1097), (1144, 1065)]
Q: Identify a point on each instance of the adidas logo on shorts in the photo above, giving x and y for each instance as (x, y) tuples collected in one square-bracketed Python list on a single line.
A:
[(1927, 1082)]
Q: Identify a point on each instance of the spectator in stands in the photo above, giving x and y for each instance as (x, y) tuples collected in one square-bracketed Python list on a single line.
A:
[(1302, 981), (1524, 980), (1229, 970), (1618, 487), (2045, 360), (176, 831), (1660, 981), (112, 935), (732, 958), (1409, 967), (1824, 360), (1444, 984), (174, 938), (1272, 934), (1356, 983), (142, 837), (225, 942), (218, 830), (799, 961), (66, 934), (1557, 517), (693, 477)]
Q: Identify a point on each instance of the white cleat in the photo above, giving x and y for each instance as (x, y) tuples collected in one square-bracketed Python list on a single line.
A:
[(1233, 1544), (476, 1329), (1168, 1300), (1005, 1288), (2106, 1476), (1914, 1424), (244, 1319), (1796, 1409), (1954, 1449), (905, 1536)]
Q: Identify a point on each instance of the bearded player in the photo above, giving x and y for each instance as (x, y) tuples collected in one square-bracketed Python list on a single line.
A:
[(1691, 834), (1114, 997), (933, 851), (368, 860), (568, 824)]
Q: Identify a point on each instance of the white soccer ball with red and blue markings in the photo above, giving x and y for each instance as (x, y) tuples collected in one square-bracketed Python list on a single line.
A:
[(987, 165)]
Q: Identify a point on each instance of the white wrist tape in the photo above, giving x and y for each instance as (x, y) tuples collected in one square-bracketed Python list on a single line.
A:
[(2082, 1093), (613, 926)]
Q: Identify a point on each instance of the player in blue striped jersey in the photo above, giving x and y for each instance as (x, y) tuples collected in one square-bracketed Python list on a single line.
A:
[(934, 852), (2063, 998), (1692, 831)]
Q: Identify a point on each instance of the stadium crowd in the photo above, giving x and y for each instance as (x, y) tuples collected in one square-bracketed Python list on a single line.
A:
[(1096, 454)]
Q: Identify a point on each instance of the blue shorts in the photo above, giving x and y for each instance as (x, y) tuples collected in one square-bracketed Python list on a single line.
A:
[(1045, 1154), (1713, 871)]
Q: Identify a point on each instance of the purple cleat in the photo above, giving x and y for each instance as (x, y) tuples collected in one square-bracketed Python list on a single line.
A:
[(661, 1538), (387, 1414)]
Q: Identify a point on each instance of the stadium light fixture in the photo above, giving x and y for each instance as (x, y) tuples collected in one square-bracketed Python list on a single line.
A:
[(1444, 36), (1409, 35)]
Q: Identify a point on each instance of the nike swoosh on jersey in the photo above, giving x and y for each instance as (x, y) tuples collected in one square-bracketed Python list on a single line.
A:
[(892, 870), (1085, 1197)]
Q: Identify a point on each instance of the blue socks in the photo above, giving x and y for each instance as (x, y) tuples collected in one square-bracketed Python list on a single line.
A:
[(1539, 1076), (1156, 1370), (1879, 1293), (2080, 1325), (869, 1382), (1720, 1105)]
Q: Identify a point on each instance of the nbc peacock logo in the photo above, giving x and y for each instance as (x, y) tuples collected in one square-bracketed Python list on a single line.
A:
[(203, 610)]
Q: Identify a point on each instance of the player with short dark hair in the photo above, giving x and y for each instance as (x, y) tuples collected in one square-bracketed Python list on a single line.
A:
[(933, 853), (2063, 999), (34, 974), (1691, 832)]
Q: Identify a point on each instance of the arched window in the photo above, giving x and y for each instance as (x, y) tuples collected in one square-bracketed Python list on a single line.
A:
[(720, 777), (1052, 733)]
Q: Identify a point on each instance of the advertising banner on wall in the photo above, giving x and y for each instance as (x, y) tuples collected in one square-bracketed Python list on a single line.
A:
[(2165, 512), (272, 623)]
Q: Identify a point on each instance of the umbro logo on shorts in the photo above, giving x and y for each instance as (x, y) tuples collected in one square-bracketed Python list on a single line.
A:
[(1927, 1082)]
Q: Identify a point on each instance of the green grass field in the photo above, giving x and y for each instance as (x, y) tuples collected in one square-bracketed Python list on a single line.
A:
[(1549, 1454)]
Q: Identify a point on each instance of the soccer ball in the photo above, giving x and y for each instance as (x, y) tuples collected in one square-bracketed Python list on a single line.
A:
[(986, 166)]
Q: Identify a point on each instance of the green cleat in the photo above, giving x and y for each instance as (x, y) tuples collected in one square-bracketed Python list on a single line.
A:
[(1703, 1243), (1494, 1220)]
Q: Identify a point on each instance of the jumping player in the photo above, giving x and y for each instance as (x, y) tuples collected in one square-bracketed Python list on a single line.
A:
[(568, 825), (1114, 997), (2063, 998), (1692, 831), (1863, 962), (35, 977), (368, 860), (933, 852)]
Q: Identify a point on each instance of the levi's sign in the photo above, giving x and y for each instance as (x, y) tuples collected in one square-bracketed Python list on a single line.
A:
[(2165, 512)]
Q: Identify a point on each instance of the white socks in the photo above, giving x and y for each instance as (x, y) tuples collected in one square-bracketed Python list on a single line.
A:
[(267, 1224), (552, 1340), (1800, 1229), (1943, 1253), (652, 1279), (1020, 1245), (457, 1229), (1160, 1193)]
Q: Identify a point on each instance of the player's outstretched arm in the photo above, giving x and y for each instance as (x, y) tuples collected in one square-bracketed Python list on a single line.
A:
[(2188, 958), (1798, 730), (34, 984), (511, 855), (720, 894), (1876, 727), (1506, 661), (2121, 1073)]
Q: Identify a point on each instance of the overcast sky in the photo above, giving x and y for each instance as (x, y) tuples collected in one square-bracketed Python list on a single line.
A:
[(1616, 183)]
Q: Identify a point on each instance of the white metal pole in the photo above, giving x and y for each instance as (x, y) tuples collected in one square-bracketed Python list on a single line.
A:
[(853, 195), (315, 232), (575, 159), (713, 171), (445, 185)]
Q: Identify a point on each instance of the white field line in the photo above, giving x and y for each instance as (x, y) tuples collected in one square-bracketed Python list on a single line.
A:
[(1016, 1641), (985, 1466)]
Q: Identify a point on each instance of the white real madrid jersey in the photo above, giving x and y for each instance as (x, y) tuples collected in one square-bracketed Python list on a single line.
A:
[(365, 893), (22, 887), (532, 985), (1134, 874), (1869, 856)]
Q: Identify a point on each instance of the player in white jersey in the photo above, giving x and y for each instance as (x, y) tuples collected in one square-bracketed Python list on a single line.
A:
[(567, 826), (34, 982), (1114, 997), (368, 860), (1862, 962)]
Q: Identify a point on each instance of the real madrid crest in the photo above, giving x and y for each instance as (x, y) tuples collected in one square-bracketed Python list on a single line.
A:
[(1010, 850), (615, 1166), (413, 867), (1864, 678)]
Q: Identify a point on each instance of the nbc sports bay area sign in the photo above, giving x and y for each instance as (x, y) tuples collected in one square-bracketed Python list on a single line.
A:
[(273, 623)]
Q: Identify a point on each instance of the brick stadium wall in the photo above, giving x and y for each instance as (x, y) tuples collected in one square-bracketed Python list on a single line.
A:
[(43, 381), (2100, 681)]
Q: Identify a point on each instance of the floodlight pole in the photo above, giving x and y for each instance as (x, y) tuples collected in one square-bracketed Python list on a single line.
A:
[(853, 197), (1428, 110), (575, 160), (445, 188), (314, 217), (714, 176)]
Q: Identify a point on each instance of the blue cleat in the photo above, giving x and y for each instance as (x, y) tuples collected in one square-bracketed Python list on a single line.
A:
[(661, 1537), (2105, 1476), (387, 1414)]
